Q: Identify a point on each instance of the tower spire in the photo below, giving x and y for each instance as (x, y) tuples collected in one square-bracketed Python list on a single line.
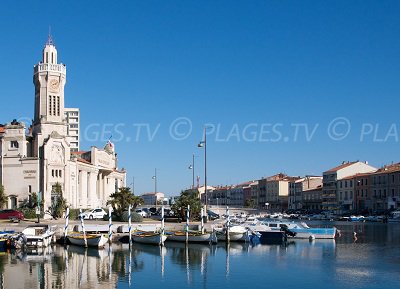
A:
[(50, 38)]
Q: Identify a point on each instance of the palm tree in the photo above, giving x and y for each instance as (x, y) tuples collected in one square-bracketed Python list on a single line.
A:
[(121, 200), (186, 198), (3, 197)]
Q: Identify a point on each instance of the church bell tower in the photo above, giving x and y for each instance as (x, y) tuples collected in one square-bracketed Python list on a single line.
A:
[(49, 78)]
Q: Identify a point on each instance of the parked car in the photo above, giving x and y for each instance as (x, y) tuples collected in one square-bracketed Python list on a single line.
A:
[(98, 213), (212, 216), (143, 213), (11, 215)]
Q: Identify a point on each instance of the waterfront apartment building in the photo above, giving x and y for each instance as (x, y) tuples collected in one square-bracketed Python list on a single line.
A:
[(331, 177), (345, 194), (273, 192), (38, 158), (385, 188), (153, 199), (219, 196), (72, 117), (298, 187), (312, 199)]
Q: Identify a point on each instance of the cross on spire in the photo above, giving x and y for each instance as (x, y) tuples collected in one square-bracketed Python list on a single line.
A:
[(50, 38)]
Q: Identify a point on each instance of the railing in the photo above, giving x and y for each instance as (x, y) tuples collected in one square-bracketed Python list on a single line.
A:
[(50, 67)]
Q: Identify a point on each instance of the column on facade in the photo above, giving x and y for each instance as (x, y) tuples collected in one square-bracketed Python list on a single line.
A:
[(100, 186), (83, 187), (105, 190), (80, 190), (92, 188)]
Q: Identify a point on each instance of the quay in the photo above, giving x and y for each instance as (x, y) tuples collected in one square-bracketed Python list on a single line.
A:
[(119, 229)]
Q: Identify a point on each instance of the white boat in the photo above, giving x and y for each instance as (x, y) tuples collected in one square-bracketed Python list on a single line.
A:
[(193, 237), (149, 238), (394, 217), (236, 234), (39, 235), (301, 229), (92, 240)]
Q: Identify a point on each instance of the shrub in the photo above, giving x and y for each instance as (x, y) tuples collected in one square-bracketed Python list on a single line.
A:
[(29, 213), (73, 214), (136, 218)]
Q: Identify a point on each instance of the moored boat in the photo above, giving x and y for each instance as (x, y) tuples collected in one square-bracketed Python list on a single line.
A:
[(300, 229), (154, 238), (193, 237), (394, 217), (39, 235), (92, 240), (236, 234)]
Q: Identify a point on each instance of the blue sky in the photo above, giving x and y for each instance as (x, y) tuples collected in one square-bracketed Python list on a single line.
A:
[(259, 72)]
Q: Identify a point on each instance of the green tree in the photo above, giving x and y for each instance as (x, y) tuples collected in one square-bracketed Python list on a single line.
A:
[(187, 198), (121, 200), (3, 197), (60, 204), (35, 201), (250, 203)]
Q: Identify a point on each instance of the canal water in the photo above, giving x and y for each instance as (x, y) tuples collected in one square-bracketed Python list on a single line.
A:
[(370, 261)]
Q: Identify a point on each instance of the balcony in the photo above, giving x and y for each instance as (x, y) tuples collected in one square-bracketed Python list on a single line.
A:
[(61, 68)]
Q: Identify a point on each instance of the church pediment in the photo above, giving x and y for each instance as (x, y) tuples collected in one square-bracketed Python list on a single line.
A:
[(57, 151)]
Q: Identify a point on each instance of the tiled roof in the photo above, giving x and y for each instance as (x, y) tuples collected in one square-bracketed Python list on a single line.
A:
[(78, 153), (83, 161), (389, 169), (2, 129), (342, 166)]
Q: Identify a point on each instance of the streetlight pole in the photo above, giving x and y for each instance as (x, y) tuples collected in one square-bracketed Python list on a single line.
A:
[(191, 167), (200, 145), (155, 185)]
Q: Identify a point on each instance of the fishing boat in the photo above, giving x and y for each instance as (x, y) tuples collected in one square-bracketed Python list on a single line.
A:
[(92, 240), (236, 234), (192, 237), (154, 238), (39, 235)]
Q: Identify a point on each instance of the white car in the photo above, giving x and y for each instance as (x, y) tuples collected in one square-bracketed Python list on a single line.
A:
[(98, 213), (143, 213)]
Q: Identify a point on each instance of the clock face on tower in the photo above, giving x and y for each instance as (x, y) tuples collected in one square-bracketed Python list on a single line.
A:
[(54, 85)]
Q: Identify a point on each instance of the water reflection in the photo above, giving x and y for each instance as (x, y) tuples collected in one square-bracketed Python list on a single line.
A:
[(338, 264)]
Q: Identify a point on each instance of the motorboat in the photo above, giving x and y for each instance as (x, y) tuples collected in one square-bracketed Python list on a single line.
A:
[(92, 240), (298, 230), (39, 235)]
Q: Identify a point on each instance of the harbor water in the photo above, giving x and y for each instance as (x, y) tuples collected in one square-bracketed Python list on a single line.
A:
[(371, 260)]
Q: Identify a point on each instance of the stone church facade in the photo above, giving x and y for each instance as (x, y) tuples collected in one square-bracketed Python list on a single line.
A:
[(34, 159)]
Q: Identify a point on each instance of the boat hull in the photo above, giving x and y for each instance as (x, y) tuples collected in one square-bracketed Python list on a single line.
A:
[(149, 238), (193, 237), (317, 233), (272, 237), (233, 237), (92, 240)]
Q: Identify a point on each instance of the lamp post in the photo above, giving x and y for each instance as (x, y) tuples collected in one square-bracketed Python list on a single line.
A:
[(155, 185), (191, 167), (203, 144)]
